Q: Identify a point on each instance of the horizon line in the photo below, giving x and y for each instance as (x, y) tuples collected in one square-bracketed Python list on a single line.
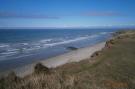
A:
[(67, 27)]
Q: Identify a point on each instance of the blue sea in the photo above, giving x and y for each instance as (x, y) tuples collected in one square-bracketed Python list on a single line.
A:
[(19, 47)]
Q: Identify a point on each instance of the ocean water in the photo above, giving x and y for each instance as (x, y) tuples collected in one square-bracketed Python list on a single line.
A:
[(19, 47)]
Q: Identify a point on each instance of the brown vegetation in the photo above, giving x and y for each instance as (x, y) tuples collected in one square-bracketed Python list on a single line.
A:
[(116, 84), (39, 68)]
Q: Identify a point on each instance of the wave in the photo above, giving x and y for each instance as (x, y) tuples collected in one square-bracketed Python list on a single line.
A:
[(104, 33), (24, 43), (3, 45), (4, 57), (5, 53), (69, 41), (45, 40)]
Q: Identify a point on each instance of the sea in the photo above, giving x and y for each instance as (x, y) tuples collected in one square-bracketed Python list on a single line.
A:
[(20, 47)]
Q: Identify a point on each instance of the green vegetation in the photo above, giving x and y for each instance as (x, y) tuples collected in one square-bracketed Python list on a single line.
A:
[(111, 68)]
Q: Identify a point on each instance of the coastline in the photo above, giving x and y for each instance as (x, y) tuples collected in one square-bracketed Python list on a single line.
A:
[(106, 71), (73, 56)]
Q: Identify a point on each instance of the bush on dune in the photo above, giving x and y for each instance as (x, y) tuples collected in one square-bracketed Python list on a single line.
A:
[(40, 68)]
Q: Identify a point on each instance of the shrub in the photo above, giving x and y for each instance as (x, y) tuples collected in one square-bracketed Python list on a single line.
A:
[(40, 68)]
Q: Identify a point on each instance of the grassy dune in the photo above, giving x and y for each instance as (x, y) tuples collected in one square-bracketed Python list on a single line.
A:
[(111, 68)]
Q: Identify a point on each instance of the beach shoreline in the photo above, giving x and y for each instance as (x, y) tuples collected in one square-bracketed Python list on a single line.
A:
[(73, 56)]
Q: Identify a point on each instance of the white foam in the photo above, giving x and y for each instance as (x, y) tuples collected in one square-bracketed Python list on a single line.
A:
[(12, 50), (104, 33), (94, 36), (4, 57), (72, 40), (32, 48), (45, 40), (3, 45), (24, 43), (24, 56), (7, 53)]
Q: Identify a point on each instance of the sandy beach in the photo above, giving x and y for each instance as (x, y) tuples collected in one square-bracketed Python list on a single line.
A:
[(73, 56)]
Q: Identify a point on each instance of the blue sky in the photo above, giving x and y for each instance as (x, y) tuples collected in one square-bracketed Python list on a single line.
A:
[(67, 13)]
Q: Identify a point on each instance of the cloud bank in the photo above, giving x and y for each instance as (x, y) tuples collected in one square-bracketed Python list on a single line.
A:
[(33, 16), (96, 13), (43, 16)]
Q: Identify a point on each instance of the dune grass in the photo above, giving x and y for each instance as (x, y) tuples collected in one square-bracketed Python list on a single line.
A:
[(112, 68)]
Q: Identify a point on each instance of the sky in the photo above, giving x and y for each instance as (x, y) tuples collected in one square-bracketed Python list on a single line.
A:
[(67, 13)]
